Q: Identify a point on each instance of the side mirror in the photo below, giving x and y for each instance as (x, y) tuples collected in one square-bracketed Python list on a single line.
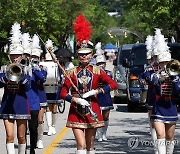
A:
[(115, 62), (125, 63)]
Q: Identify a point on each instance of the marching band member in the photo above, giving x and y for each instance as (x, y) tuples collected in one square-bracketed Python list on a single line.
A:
[(104, 100), (151, 68), (38, 77), (51, 89), (83, 80), (15, 106), (32, 94), (164, 112), (43, 105)]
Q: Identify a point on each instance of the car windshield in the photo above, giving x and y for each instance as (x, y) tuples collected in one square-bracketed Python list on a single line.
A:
[(124, 54), (175, 52), (139, 56)]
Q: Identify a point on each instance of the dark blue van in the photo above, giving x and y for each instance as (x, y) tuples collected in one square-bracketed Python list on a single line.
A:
[(134, 70)]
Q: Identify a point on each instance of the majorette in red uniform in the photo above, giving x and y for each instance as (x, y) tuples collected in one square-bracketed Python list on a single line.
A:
[(86, 78)]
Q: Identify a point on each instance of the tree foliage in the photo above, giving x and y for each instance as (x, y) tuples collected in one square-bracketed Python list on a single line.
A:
[(150, 14), (52, 18)]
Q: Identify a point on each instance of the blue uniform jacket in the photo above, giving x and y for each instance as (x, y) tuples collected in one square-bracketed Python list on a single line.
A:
[(32, 94)]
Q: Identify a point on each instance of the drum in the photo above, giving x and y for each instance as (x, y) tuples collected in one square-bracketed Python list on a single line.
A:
[(51, 84)]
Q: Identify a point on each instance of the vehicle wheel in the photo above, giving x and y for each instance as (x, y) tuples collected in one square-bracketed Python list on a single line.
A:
[(131, 106), (116, 100), (61, 106)]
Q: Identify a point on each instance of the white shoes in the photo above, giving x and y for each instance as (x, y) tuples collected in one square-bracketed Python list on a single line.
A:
[(104, 137), (100, 139), (51, 120), (50, 131), (40, 144), (53, 130)]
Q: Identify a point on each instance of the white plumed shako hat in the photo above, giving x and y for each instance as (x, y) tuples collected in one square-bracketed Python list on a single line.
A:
[(100, 59), (160, 44), (99, 51), (36, 49), (16, 46), (149, 46), (26, 43), (49, 46), (164, 56)]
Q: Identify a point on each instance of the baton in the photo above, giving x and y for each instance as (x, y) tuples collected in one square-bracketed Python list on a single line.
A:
[(93, 114)]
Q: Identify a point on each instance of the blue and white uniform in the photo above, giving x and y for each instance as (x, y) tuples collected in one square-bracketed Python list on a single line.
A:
[(149, 70), (105, 100), (42, 74), (14, 103), (164, 109)]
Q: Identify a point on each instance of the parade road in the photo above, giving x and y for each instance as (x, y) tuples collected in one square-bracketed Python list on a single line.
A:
[(127, 133)]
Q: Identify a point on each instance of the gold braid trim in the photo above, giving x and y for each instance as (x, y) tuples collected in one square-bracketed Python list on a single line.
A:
[(96, 69), (85, 125), (71, 71)]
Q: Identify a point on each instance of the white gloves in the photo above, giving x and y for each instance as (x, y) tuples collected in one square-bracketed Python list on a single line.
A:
[(83, 102), (90, 93)]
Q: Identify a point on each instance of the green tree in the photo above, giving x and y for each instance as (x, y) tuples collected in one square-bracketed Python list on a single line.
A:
[(150, 14), (52, 18)]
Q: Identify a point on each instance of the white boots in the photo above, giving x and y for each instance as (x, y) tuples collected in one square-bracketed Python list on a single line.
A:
[(85, 152), (169, 147), (54, 118), (91, 152), (21, 148), (154, 138), (51, 120), (10, 148), (161, 146), (105, 130), (81, 151), (40, 136), (101, 132)]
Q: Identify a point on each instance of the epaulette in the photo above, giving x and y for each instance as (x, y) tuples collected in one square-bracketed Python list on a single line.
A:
[(3, 69), (96, 69), (148, 68), (72, 71)]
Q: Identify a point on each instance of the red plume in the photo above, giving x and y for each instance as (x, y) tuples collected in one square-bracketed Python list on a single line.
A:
[(82, 29)]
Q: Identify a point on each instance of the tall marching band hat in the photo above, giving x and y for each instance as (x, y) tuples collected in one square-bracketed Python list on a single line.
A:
[(164, 56), (36, 49), (160, 44), (26, 43), (16, 46), (49, 46), (99, 51), (83, 33), (149, 46), (100, 59)]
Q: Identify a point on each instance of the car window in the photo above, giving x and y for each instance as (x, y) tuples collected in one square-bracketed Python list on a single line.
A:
[(175, 52), (124, 54), (139, 56)]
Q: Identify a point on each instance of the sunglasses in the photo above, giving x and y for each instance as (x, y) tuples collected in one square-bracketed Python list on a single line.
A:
[(83, 54)]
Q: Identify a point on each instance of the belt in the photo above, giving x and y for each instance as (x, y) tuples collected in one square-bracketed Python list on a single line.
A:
[(14, 91), (165, 98)]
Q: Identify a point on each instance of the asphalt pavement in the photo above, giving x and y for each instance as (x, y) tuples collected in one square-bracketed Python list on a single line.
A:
[(127, 133)]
